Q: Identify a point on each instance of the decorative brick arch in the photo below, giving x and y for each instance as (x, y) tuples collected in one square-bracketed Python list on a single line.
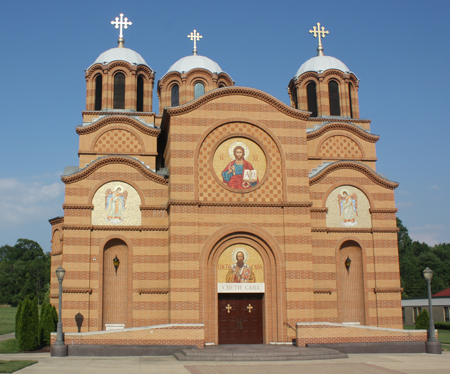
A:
[(274, 267), (99, 260), (343, 135), (262, 127), (118, 127)]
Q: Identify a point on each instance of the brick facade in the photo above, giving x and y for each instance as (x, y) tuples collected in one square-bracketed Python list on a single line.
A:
[(188, 217)]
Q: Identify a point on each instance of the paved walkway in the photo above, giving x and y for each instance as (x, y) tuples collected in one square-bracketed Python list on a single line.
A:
[(355, 364), (7, 336)]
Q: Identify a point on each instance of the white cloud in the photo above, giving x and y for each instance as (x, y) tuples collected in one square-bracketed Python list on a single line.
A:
[(23, 202), (434, 187), (430, 234)]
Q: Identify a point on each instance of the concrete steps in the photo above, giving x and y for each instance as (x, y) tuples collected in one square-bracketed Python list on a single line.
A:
[(260, 352)]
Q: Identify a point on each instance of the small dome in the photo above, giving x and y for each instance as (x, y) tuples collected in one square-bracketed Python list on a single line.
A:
[(120, 54), (322, 63), (188, 63)]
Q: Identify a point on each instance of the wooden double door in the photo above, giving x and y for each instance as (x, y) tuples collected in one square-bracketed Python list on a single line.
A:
[(240, 319)]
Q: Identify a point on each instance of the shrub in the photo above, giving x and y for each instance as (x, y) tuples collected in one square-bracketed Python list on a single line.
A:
[(442, 325), (18, 311), (47, 324), (422, 320), (28, 327), (44, 312)]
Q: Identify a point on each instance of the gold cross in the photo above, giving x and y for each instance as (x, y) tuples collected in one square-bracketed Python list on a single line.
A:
[(249, 308), (228, 308), (317, 31)]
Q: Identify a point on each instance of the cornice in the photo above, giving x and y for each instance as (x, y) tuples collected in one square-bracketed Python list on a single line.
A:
[(243, 91), (153, 207), (57, 220), (107, 160), (115, 228), (305, 204), (373, 210), (357, 166), (319, 210), (112, 154), (342, 119), (78, 206), (77, 290), (354, 230), (388, 290), (111, 119), (345, 127), (153, 291), (118, 113), (56, 253), (323, 291)]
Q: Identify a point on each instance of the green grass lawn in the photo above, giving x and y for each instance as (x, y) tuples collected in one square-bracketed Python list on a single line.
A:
[(12, 366), (9, 346), (7, 319)]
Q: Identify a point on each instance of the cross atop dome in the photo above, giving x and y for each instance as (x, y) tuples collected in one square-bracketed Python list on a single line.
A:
[(121, 23), (319, 31), (195, 36)]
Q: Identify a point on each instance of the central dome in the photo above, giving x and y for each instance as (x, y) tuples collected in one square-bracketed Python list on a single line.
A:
[(322, 63), (188, 63), (120, 54)]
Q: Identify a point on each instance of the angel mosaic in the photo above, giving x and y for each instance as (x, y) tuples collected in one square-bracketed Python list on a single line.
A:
[(348, 205), (115, 201)]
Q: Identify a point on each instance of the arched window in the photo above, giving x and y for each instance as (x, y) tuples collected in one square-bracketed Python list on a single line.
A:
[(333, 92), (222, 85), (311, 96), (98, 92), (199, 90), (175, 95), (119, 91), (350, 87), (140, 94)]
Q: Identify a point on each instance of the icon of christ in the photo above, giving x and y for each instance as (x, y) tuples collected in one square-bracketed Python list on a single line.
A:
[(240, 174)]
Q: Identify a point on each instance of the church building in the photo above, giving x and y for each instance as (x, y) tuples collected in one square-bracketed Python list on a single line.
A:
[(227, 217)]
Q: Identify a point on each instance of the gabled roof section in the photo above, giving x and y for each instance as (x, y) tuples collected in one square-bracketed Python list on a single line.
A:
[(113, 159), (326, 168), (234, 90), (107, 120), (443, 293)]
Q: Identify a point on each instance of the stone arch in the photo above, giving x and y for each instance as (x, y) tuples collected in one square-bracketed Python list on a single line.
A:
[(274, 268), (351, 281), (119, 289)]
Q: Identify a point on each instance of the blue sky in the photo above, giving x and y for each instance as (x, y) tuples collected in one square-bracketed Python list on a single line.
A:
[(398, 49)]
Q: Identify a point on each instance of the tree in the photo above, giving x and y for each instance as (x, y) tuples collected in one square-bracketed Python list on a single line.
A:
[(422, 320), (24, 271), (47, 324), (28, 337), (17, 325)]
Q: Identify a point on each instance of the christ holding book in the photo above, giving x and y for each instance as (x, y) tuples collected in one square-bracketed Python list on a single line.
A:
[(239, 174)]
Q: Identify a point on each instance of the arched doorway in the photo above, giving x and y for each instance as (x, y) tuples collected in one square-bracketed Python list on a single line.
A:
[(351, 283), (272, 299), (115, 283)]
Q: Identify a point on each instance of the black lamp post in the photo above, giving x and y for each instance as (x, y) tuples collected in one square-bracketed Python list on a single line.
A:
[(433, 345), (59, 349)]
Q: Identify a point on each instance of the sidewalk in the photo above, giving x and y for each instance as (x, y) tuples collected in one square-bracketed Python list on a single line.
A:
[(7, 336), (356, 363)]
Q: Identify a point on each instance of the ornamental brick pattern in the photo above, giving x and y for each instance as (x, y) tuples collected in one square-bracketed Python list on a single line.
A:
[(168, 260)]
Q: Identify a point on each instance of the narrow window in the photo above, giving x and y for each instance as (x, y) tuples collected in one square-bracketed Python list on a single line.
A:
[(312, 98), (98, 93), (350, 87), (119, 91), (447, 314), (333, 92), (175, 95), (140, 94), (199, 90), (294, 96), (403, 315)]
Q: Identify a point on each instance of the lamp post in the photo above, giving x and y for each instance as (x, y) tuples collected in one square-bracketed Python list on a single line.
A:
[(432, 344), (59, 349)]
